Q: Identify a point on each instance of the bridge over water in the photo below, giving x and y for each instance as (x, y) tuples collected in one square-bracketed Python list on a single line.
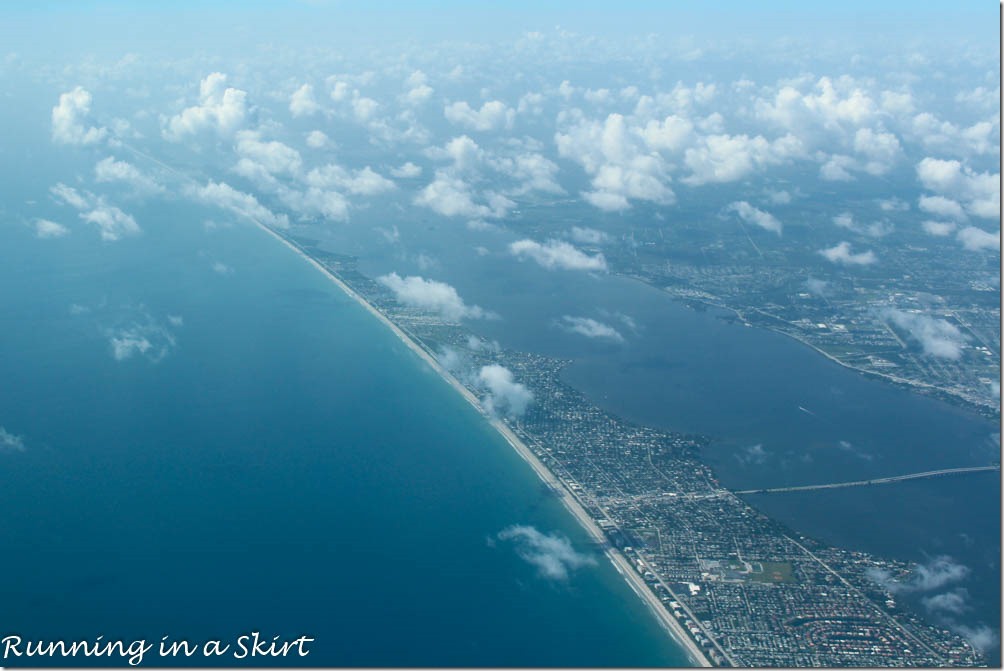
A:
[(875, 481)]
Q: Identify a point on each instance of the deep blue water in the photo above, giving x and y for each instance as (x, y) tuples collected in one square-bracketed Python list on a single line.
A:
[(286, 466)]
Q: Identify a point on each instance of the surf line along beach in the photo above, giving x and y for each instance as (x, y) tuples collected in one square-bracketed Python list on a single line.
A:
[(568, 498)]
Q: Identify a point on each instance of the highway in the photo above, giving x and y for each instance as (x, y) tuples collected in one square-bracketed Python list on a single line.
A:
[(875, 481)]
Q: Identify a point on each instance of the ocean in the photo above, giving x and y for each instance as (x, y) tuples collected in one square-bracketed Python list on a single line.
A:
[(272, 460)]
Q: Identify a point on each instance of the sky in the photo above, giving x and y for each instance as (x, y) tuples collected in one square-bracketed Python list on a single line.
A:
[(228, 23)]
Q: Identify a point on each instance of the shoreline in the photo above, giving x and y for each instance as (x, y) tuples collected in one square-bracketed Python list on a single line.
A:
[(675, 629)]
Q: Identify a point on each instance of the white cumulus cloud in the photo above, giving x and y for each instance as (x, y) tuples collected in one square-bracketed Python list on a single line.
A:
[(112, 222), (111, 170), (552, 554), (557, 254), (976, 239), (49, 229), (302, 102), (841, 254), (69, 119), (240, 203), (451, 196), (591, 328), (937, 337), (493, 115), (752, 215), (938, 228), (438, 297), (221, 108), (504, 395), (977, 192)]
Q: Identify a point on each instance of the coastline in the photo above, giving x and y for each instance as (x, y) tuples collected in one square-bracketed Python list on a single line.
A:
[(568, 499)]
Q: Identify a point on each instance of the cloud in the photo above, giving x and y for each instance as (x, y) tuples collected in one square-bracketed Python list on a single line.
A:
[(70, 196), (588, 236), (221, 268), (941, 206), (841, 254), (504, 394), (302, 102), (836, 169), (780, 197), (111, 170), (9, 442), (418, 89), (979, 193), (976, 239), (365, 182), (876, 229), (530, 103), (752, 215), (557, 254), (893, 205), (817, 287), (69, 120), (982, 637), (879, 149), (532, 171), (407, 171), (849, 448), (149, 339), (339, 89), (314, 202), (591, 328), (221, 108), (451, 196), (46, 229), (270, 156), (242, 204), (431, 295), (938, 228), (935, 574), (552, 554), (833, 106), (364, 108), (476, 344), (493, 115), (955, 602), (937, 337), (980, 138), (463, 151), (727, 158), (617, 159), (752, 454), (112, 222), (450, 359), (316, 139)]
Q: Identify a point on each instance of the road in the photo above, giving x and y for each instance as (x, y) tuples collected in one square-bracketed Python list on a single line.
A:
[(874, 481)]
